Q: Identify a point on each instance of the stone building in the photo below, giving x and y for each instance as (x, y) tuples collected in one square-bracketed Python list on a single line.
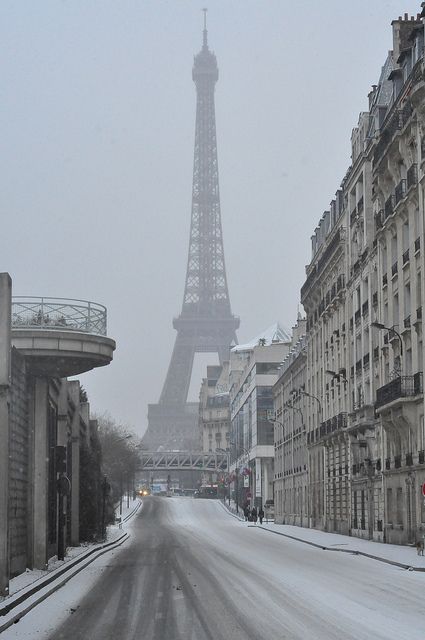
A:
[(45, 423), (214, 413), (291, 457), (324, 298), (363, 299), (363, 427), (252, 374), (398, 205)]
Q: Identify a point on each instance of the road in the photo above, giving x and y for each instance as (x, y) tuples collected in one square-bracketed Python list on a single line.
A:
[(193, 572)]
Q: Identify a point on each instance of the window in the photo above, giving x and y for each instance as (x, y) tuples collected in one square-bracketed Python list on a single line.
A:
[(399, 505), (390, 506)]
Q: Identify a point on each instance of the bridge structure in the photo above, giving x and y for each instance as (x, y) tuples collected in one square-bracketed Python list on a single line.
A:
[(183, 461)]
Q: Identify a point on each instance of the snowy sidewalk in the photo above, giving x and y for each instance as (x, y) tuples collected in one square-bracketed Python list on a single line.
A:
[(29, 588), (403, 556)]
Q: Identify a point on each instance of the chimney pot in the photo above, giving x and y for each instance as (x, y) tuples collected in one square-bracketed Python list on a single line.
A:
[(406, 16)]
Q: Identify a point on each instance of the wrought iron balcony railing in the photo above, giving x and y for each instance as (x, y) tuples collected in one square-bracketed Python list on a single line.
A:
[(401, 387), (412, 175), (58, 314)]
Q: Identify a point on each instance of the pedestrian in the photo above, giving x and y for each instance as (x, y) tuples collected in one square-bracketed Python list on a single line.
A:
[(246, 512), (254, 514), (261, 514), (420, 547)]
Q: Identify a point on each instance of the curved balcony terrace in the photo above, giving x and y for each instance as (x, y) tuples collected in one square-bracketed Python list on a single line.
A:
[(61, 337)]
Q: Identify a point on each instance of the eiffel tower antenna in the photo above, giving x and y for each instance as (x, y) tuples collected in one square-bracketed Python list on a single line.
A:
[(206, 323), (205, 28)]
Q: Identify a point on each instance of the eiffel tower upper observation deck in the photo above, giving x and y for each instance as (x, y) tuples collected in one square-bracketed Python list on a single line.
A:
[(206, 323)]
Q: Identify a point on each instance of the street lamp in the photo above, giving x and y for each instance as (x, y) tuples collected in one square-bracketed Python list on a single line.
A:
[(339, 375), (246, 452), (126, 437), (313, 397), (227, 452), (379, 325)]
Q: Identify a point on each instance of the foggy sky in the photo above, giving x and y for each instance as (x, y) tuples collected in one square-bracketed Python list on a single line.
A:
[(98, 116)]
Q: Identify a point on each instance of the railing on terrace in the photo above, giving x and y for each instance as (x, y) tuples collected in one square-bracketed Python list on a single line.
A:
[(58, 314), (401, 387)]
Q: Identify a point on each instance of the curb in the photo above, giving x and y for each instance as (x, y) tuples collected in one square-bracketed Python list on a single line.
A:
[(135, 510), (354, 552), (234, 515), (91, 555)]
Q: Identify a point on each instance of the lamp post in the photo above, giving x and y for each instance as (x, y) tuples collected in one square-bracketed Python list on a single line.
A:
[(246, 452), (227, 452), (106, 487), (338, 375), (313, 397), (126, 437), (379, 325), (311, 499)]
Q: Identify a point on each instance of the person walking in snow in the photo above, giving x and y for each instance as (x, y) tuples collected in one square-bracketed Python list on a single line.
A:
[(261, 514), (246, 512), (254, 514)]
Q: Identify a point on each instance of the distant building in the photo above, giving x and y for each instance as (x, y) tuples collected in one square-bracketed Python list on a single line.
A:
[(214, 414), (291, 456), (253, 372)]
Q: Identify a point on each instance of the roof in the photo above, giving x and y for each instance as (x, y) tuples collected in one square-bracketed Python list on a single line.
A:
[(273, 334)]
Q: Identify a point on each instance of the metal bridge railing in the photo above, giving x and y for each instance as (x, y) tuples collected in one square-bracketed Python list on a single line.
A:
[(181, 460), (59, 314)]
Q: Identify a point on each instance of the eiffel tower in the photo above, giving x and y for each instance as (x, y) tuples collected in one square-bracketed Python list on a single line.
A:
[(206, 323)]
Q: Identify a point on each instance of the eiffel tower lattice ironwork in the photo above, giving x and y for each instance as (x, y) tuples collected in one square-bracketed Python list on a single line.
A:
[(206, 323)]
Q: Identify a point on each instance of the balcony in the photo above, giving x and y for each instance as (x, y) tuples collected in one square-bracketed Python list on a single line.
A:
[(412, 176), (400, 191), (379, 219), (389, 206), (61, 337), (401, 387), (333, 424), (405, 257)]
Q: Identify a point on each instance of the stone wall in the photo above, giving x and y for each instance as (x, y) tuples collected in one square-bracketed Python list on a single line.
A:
[(19, 467)]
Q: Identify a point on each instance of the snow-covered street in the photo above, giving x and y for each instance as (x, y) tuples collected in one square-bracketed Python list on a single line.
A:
[(191, 571)]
